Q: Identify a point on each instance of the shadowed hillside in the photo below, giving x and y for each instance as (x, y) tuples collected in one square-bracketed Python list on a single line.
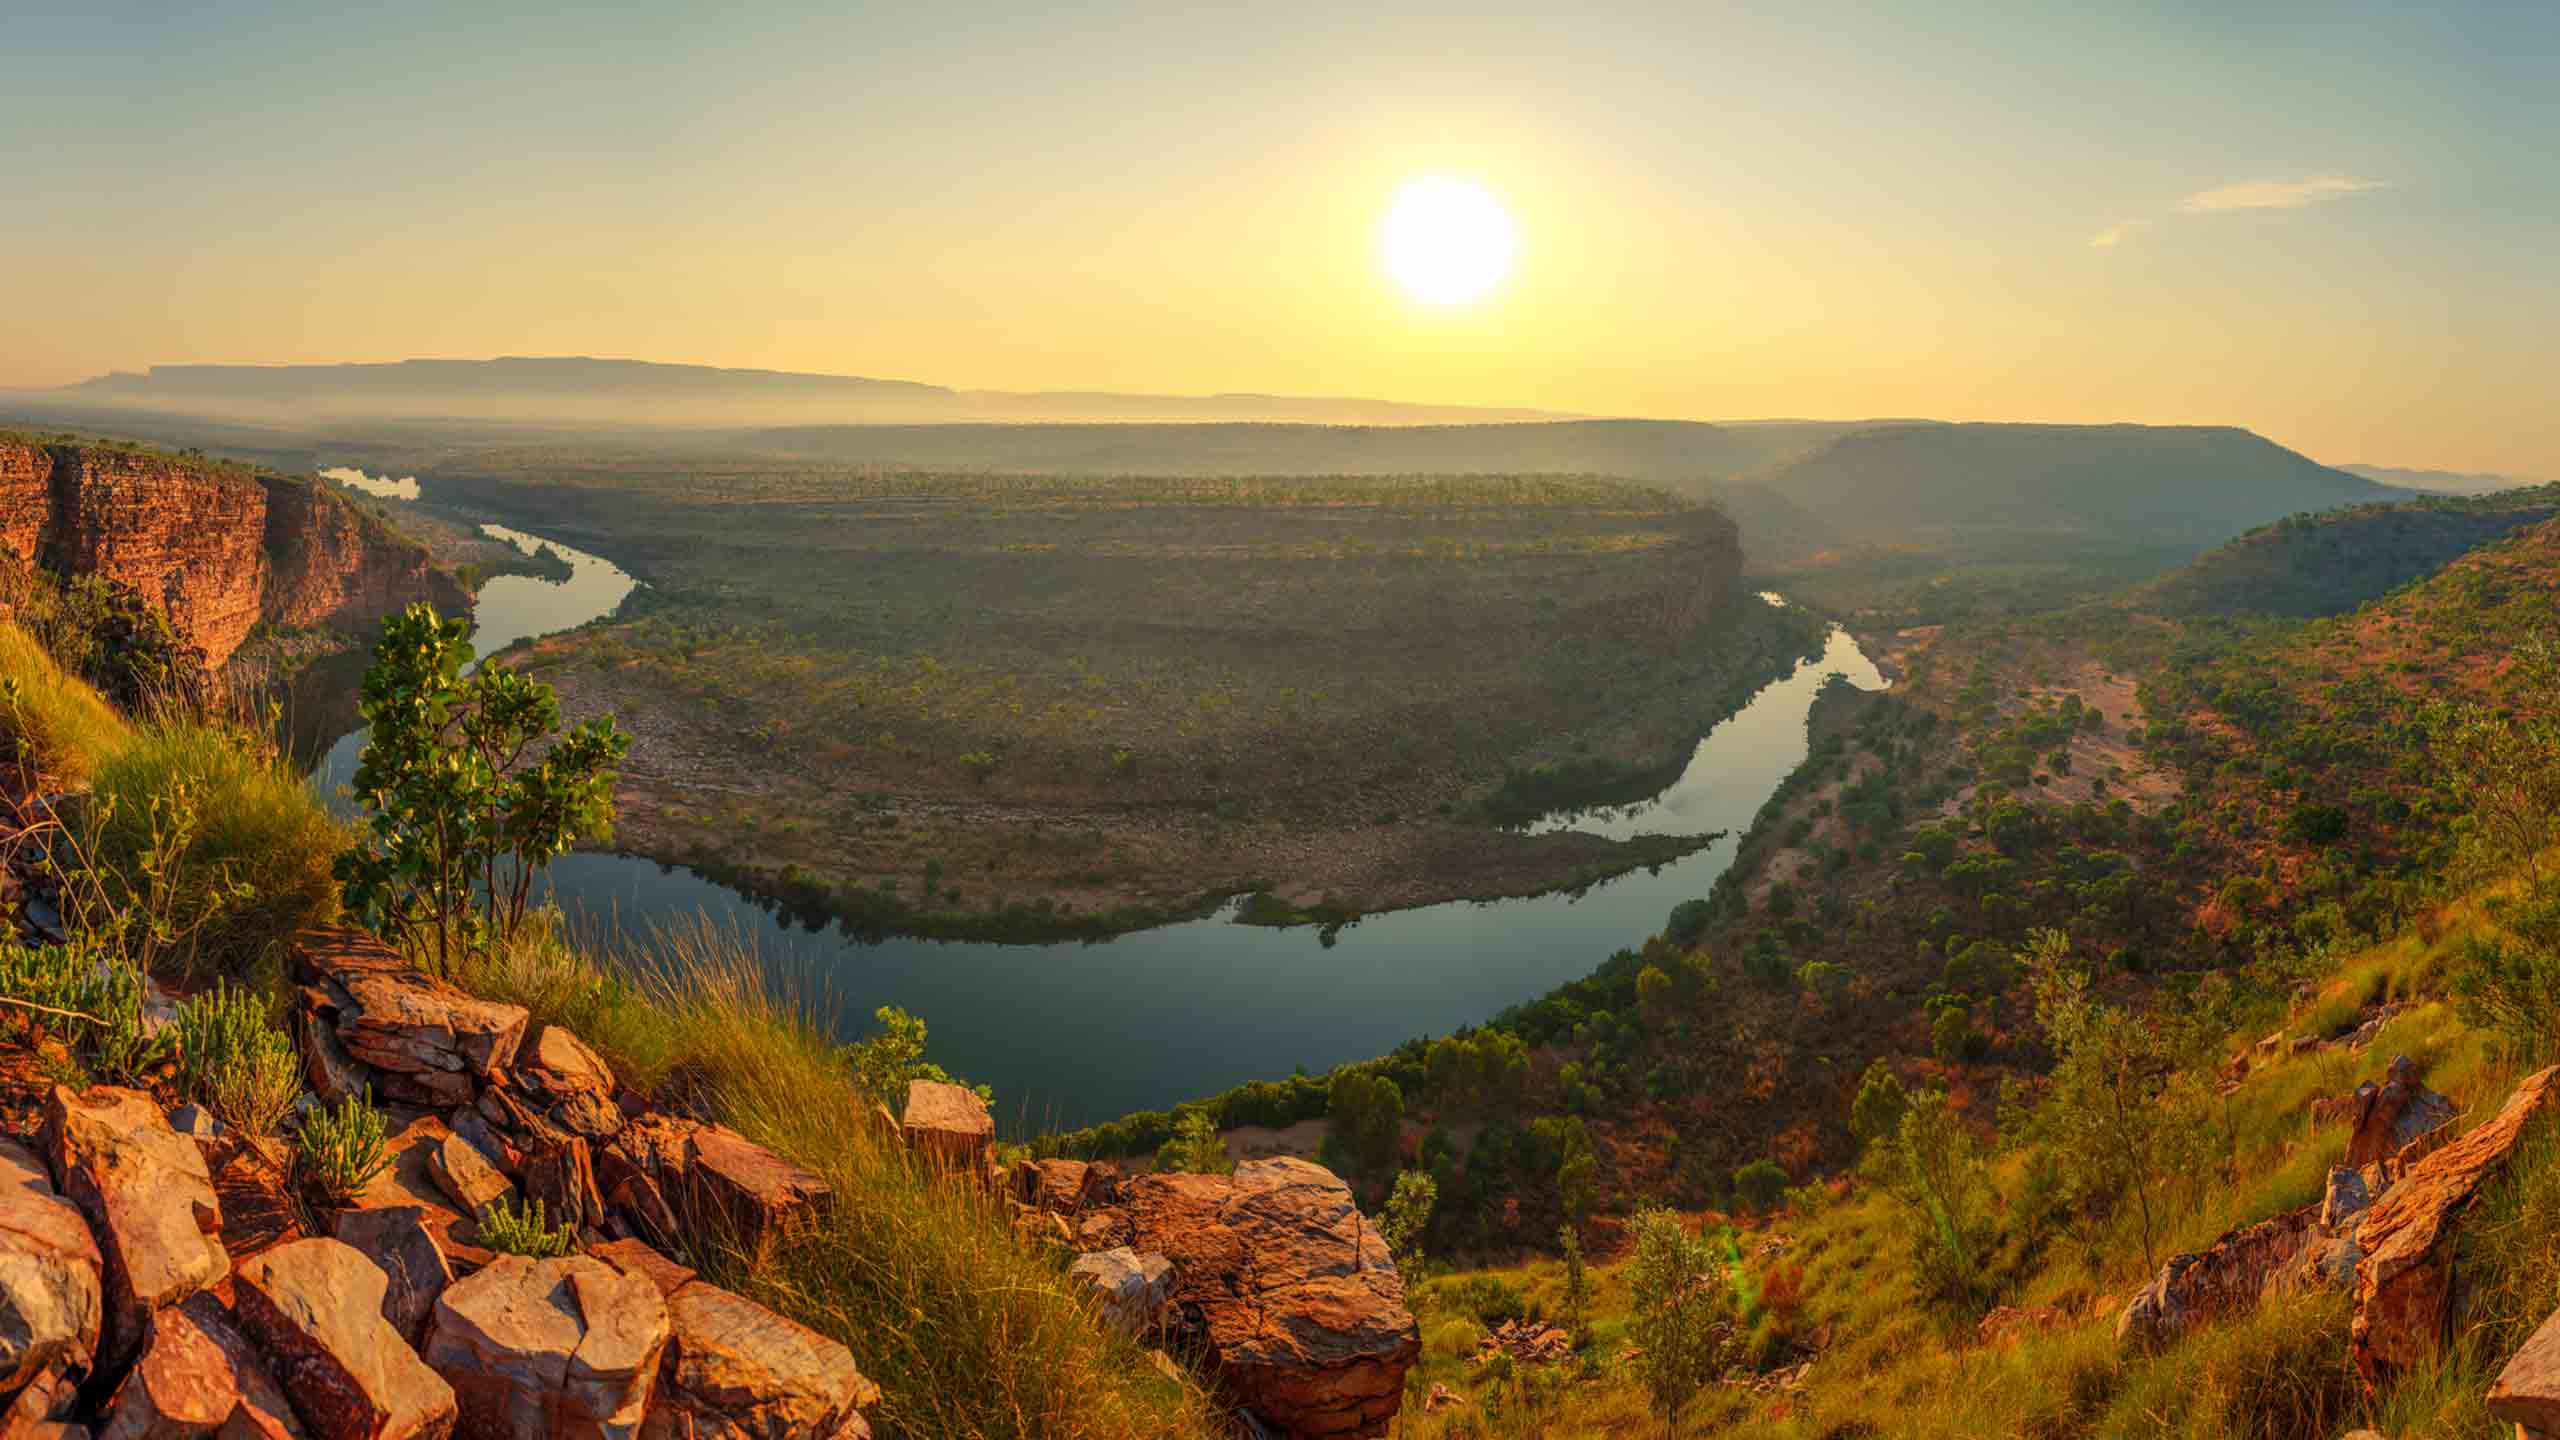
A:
[(2310, 565)]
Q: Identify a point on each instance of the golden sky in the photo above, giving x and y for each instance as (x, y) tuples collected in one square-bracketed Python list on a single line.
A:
[(2332, 224)]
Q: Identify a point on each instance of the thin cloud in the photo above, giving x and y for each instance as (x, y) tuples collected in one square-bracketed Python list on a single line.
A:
[(2116, 234), (2276, 194)]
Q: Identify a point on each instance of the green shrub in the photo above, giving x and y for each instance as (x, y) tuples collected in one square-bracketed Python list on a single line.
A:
[(1194, 1147), (235, 1060), (512, 1231), (1759, 1185), (1491, 1299), (343, 1148)]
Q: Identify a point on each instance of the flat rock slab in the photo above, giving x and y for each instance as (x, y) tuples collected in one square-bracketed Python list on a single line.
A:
[(641, 1258), (316, 1306), (567, 1348), (199, 1376), (52, 1291), (148, 1196), (2405, 1280), (738, 1371)]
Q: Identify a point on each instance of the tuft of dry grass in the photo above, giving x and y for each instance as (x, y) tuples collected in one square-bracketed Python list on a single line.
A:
[(58, 725)]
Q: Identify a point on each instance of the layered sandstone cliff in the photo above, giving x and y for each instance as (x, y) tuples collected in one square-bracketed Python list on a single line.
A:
[(218, 547)]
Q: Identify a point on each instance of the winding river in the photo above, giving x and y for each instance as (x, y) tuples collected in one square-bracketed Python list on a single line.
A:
[(1076, 1032)]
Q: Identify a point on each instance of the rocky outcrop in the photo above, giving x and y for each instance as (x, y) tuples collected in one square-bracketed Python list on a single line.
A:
[(217, 548), (2405, 1280), (2224, 1279), (2389, 1117), (430, 1043), (1298, 1307)]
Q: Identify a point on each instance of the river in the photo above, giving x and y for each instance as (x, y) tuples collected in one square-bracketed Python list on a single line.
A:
[(1077, 1032)]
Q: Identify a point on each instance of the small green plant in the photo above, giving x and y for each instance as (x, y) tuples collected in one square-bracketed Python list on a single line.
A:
[(1577, 1283), (234, 1059), (1683, 1325), (884, 1065), (1408, 1215), (343, 1148), (513, 1231)]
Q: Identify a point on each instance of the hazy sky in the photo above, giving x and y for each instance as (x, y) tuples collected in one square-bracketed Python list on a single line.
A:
[(2334, 223)]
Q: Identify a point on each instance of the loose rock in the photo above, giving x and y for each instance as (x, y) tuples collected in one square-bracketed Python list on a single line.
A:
[(52, 1298), (566, 1348), (737, 1371), (398, 1240), (199, 1376), (1134, 1288), (148, 1196), (948, 1124), (316, 1306)]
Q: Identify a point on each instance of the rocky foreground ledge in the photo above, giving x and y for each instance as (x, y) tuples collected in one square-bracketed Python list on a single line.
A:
[(161, 1280)]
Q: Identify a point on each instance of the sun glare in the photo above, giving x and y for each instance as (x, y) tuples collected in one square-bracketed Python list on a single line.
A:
[(1447, 240)]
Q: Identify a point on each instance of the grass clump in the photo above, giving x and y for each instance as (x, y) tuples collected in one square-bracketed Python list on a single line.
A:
[(235, 1060), (56, 724), (343, 1148), (512, 1231)]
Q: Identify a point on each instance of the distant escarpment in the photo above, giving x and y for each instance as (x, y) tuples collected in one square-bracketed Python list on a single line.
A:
[(2312, 565), (220, 548)]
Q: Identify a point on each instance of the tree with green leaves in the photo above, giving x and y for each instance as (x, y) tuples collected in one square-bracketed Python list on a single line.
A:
[(1408, 1215), (465, 800), (1577, 1282), (886, 1064), (1368, 1118), (1194, 1147), (1934, 1170), (1682, 1325)]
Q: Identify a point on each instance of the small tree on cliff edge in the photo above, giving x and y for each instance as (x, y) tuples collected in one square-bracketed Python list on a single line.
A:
[(461, 812)]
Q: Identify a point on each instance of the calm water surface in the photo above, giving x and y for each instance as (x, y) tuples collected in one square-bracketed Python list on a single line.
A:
[(1074, 1032)]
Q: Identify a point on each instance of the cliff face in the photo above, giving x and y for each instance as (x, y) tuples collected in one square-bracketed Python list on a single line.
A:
[(219, 549)]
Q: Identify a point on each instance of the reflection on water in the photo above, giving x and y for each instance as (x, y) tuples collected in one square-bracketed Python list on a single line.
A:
[(381, 487), (1072, 1033)]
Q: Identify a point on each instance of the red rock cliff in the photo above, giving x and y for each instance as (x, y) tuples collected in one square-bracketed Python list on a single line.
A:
[(218, 547)]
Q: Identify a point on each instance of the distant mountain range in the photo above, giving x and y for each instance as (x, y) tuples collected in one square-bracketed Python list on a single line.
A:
[(2441, 482), (583, 391)]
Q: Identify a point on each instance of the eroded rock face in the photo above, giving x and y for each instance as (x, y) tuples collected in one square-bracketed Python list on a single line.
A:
[(2225, 1279), (52, 1299), (215, 548), (149, 1199), (567, 1348), (950, 1124), (1302, 1310), (2405, 1280), (199, 1376), (737, 1371), (570, 1083), (316, 1307)]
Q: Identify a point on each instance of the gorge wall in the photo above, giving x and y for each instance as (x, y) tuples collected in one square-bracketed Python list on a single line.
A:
[(219, 547)]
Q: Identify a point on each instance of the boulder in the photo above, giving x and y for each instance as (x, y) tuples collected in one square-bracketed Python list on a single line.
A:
[(199, 1376), (2405, 1281), (149, 1197), (317, 1307), (2225, 1279), (567, 1348), (253, 1182), (401, 1243), (432, 1042), (737, 1371), (2392, 1116), (52, 1295), (949, 1125), (732, 1181), (2346, 1197), (2527, 1393), (1301, 1310), (1134, 1289), (570, 1083)]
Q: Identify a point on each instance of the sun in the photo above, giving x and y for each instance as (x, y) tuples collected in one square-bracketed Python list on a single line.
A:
[(1447, 240)]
